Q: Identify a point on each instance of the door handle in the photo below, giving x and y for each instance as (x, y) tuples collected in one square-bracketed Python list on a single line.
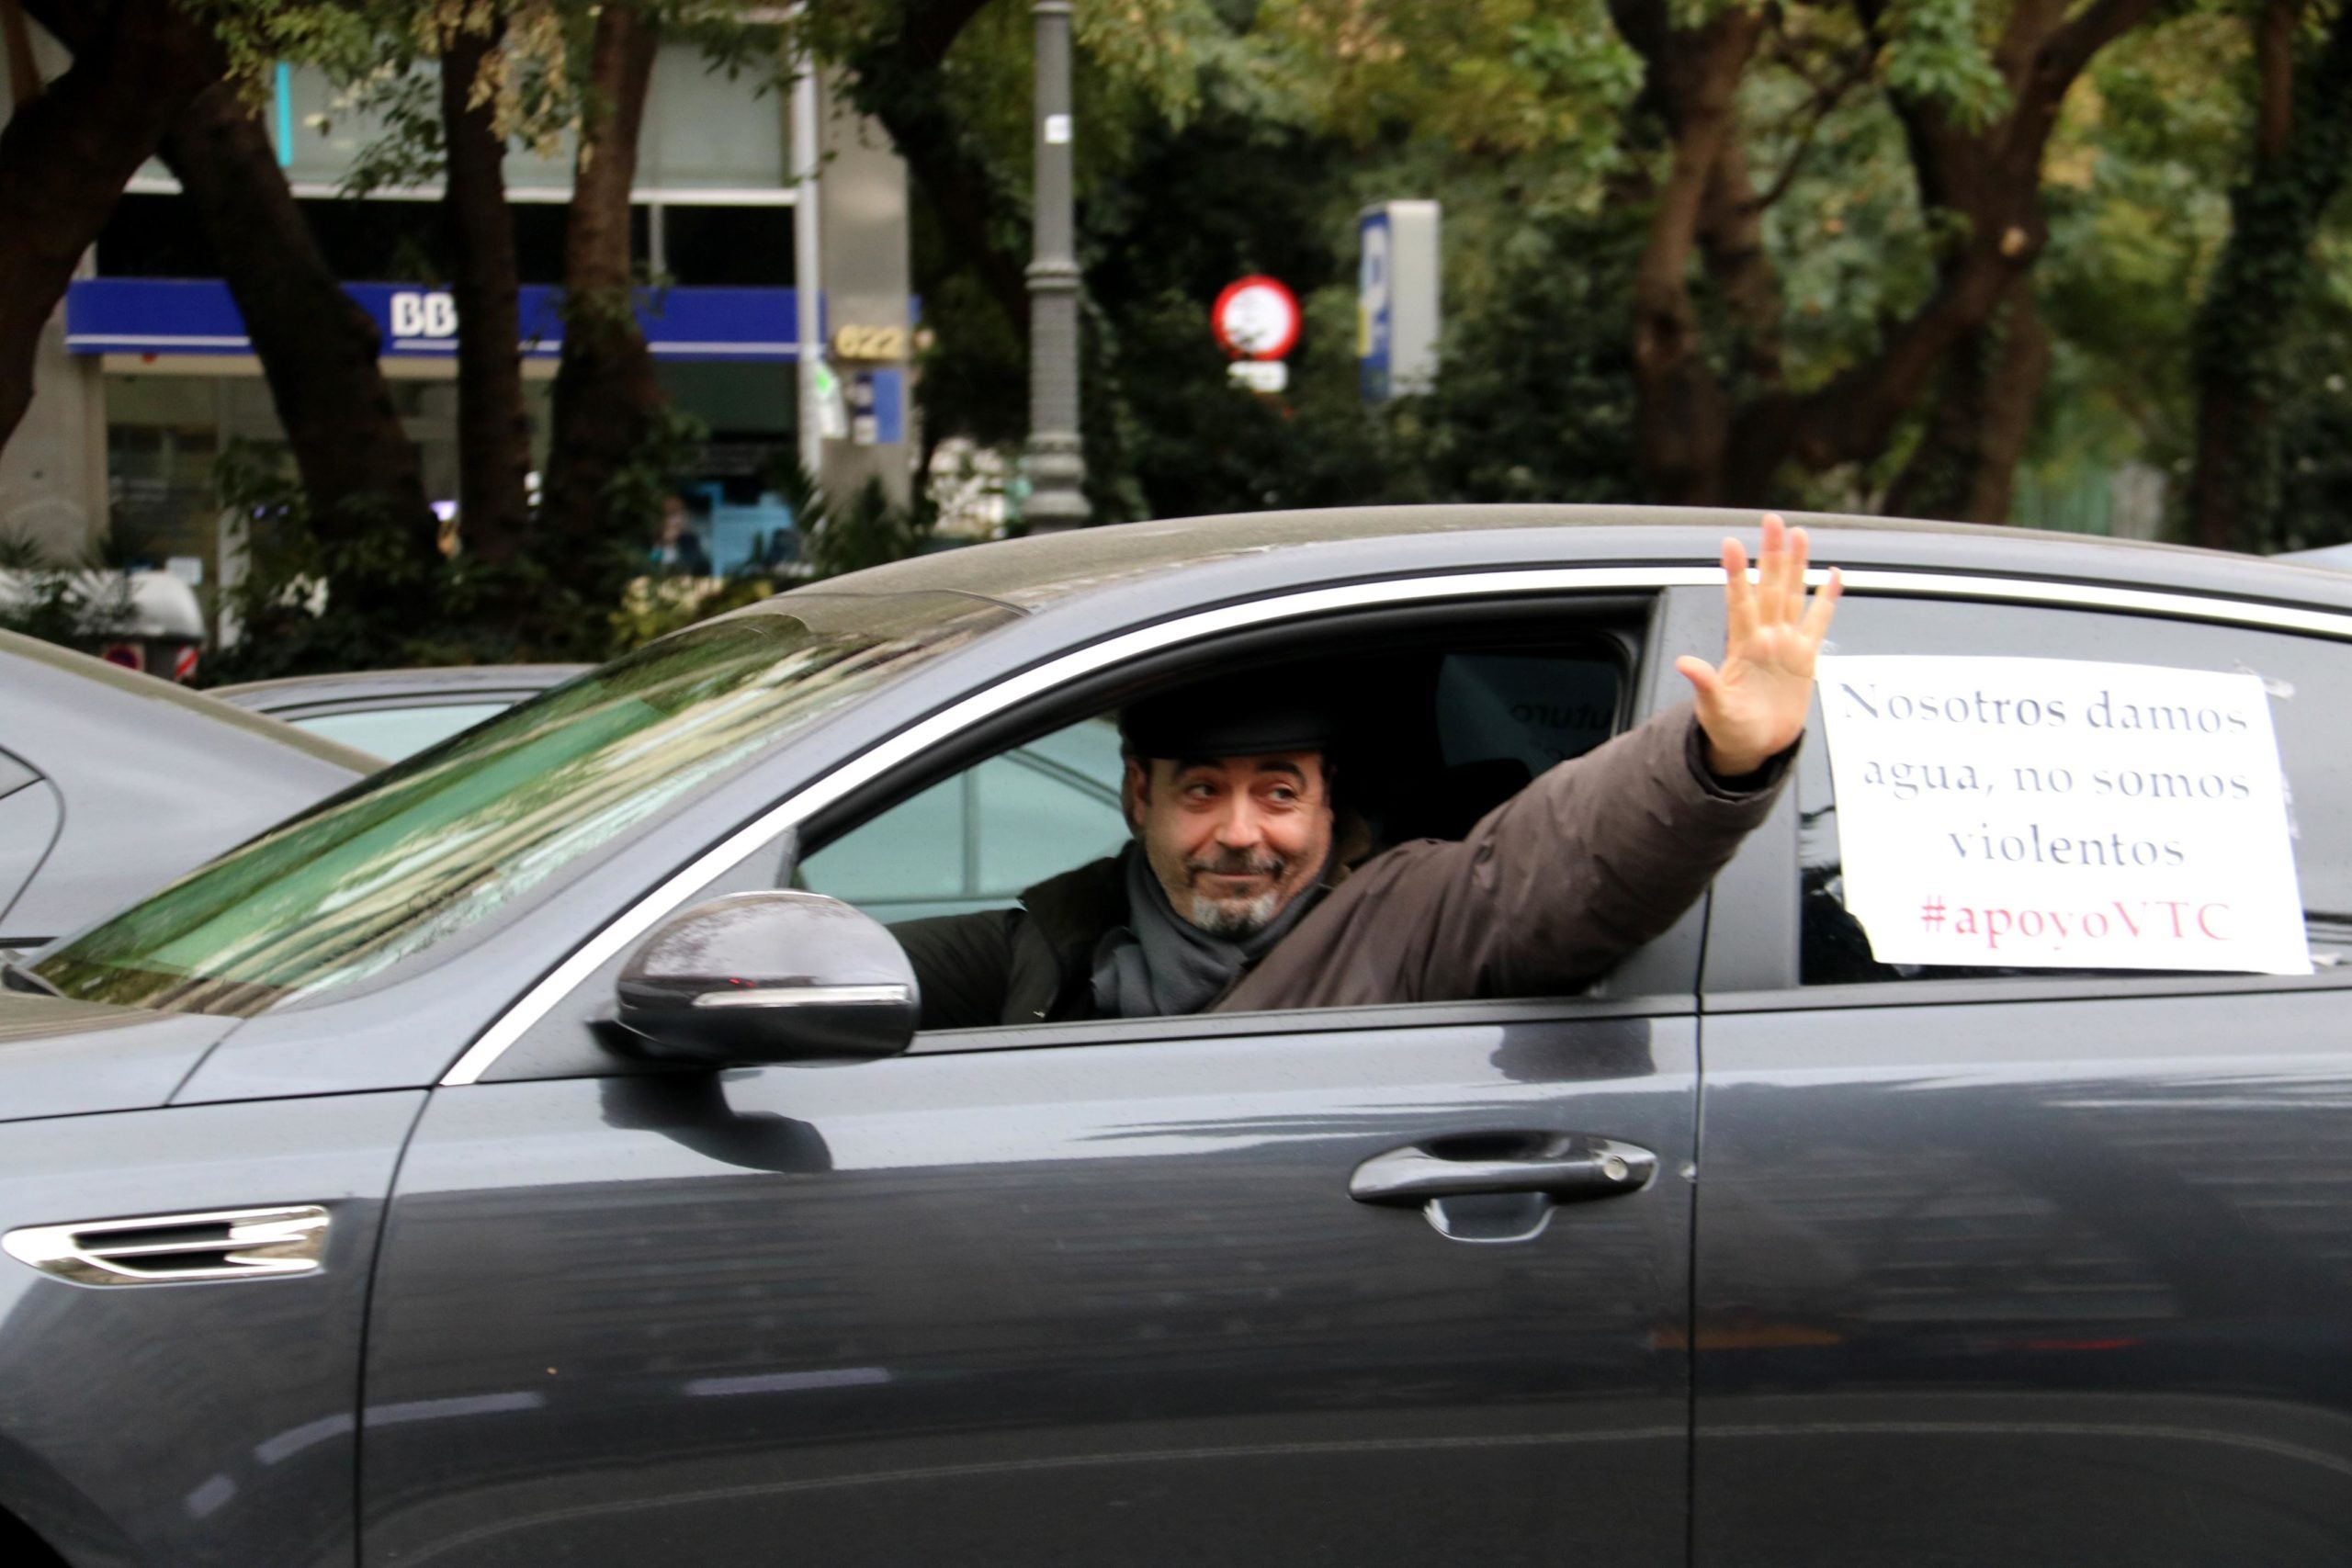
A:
[(1566, 1167)]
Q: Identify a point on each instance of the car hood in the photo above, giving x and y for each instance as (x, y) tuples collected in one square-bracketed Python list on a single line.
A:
[(65, 1058)]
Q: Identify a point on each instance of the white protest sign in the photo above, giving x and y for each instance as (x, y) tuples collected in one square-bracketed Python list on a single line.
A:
[(2053, 814)]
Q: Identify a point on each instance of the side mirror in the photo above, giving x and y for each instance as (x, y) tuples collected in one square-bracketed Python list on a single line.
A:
[(759, 977)]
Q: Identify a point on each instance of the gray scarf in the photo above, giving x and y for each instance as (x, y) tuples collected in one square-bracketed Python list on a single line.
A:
[(1160, 964)]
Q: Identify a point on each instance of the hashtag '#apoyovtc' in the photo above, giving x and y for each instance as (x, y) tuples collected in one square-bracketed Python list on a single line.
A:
[(1932, 913)]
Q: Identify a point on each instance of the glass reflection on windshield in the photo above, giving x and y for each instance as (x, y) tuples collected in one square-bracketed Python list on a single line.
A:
[(446, 841)]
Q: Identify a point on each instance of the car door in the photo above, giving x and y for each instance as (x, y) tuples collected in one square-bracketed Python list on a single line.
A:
[(2023, 1265), (1073, 1294)]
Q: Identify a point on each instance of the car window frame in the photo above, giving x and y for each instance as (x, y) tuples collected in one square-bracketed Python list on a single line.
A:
[(1752, 964), (1092, 675)]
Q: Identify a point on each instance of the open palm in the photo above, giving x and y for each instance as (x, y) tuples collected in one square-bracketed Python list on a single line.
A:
[(1752, 705)]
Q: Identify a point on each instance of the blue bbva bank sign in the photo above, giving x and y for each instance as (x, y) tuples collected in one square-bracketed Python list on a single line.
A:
[(157, 316)]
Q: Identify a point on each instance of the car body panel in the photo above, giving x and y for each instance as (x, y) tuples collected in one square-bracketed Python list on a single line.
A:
[(1054, 1305), (2017, 1264), (206, 1425), (2027, 1282), (65, 1058), (152, 779)]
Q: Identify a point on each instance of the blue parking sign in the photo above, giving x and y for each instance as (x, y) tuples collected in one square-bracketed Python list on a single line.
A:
[(1374, 333)]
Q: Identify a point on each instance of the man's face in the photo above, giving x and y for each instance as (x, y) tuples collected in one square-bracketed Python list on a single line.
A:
[(1233, 840), (674, 520)]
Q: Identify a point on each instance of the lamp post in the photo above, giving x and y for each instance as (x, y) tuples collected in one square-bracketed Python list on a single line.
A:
[(808, 332), (1057, 460)]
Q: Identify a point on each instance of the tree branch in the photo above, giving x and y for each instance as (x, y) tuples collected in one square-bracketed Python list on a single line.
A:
[(1814, 111), (66, 156)]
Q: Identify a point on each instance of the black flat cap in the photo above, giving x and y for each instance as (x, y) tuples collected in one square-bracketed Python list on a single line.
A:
[(1250, 715)]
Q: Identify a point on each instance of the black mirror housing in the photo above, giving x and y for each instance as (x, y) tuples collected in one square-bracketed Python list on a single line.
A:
[(755, 978)]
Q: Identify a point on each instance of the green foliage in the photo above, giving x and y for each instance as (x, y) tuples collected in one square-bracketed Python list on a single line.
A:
[(868, 530), (653, 607), (1534, 401), (2245, 349), (839, 535), (80, 601), (1935, 53), (1506, 77), (291, 615)]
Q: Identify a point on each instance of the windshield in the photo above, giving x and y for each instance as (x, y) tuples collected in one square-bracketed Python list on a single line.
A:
[(449, 838)]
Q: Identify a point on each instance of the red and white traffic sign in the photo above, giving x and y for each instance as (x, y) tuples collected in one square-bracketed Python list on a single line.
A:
[(1255, 318)]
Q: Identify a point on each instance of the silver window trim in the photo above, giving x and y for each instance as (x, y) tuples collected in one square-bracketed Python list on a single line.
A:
[(919, 738)]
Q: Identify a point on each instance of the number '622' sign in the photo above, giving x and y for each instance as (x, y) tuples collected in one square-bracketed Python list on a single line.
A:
[(870, 342)]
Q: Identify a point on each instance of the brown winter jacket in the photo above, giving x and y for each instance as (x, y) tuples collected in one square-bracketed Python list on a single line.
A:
[(1553, 887)]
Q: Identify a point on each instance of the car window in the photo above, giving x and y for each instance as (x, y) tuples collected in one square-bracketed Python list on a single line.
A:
[(976, 840), (15, 774), (1433, 739), (2309, 680), (394, 733), (464, 831)]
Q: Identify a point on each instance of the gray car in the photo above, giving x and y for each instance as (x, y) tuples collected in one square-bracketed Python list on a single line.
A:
[(393, 714), (389, 1192), (114, 783)]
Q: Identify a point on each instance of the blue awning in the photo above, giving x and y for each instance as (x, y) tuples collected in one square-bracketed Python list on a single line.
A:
[(160, 316)]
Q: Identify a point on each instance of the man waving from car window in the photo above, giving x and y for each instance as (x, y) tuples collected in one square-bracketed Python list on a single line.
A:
[(1237, 892)]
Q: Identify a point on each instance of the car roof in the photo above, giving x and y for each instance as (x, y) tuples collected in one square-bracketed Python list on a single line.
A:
[(359, 688), (1043, 570), (117, 693), (152, 779)]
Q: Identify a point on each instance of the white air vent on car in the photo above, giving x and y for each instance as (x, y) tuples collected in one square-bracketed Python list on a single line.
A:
[(163, 1249)]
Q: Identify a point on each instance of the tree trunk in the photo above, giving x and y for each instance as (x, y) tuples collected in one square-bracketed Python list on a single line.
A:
[(1681, 419), (1697, 441), (2303, 134), (493, 425), (1990, 178), (1731, 238), (605, 393), (317, 347), (1965, 469), (65, 157)]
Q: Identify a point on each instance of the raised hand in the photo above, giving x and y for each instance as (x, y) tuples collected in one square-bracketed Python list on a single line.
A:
[(1752, 705)]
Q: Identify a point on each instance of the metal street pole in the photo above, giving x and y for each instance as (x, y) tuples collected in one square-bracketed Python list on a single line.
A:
[(809, 354), (1057, 460)]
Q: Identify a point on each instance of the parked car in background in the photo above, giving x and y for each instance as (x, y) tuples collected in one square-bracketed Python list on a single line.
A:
[(510, 1113), (114, 783), (2336, 556), (392, 712)]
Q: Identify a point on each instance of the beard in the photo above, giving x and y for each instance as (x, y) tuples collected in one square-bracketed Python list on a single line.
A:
[(1237, 918)]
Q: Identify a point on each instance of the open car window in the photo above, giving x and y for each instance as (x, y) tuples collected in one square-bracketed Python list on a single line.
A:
[(1436, 733), (975, 841)]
